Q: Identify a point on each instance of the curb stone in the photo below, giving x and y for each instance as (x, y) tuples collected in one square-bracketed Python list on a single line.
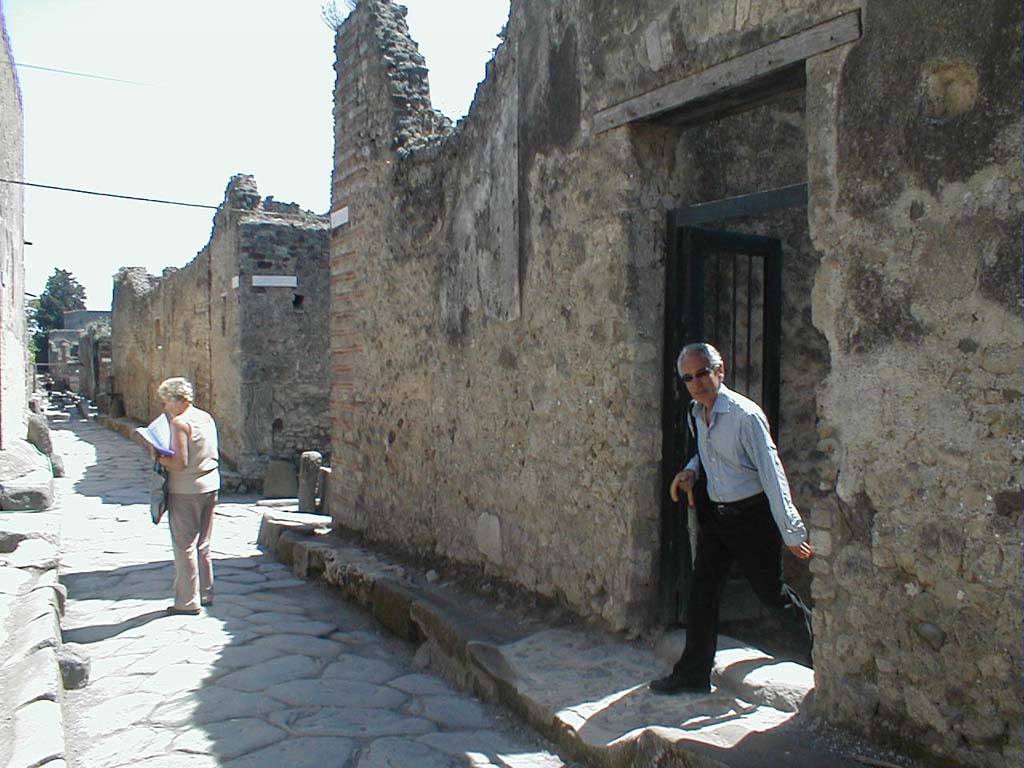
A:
[(31, 722), (580, 688)]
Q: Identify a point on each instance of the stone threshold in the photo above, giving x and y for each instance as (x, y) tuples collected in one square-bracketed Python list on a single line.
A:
[(583, 689)]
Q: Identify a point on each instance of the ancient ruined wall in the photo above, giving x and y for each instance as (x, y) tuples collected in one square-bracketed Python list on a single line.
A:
[(497, 326), (256, 354), (80, 319), (132, 340), (65, 367), (159, 329), (916, 158), (13, 386), (497, 392), (283, 316), (181, 323), (225, 350), (94, 351)]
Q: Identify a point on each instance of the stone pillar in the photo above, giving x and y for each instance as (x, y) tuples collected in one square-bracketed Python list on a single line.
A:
[(325, 491), (309, 477)]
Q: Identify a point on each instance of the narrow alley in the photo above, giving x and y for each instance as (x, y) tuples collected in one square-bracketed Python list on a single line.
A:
[(278, 672)]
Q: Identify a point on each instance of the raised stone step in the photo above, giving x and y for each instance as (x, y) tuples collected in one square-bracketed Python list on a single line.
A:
[(582, 688)]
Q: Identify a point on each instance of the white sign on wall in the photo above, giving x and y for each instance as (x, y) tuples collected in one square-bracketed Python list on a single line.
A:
[(339, 218), (274, 281)]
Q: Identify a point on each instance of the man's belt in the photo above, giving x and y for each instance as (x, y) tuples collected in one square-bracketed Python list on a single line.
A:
[(749, 504)]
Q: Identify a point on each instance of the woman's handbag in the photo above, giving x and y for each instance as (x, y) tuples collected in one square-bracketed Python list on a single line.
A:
[(157, 492)]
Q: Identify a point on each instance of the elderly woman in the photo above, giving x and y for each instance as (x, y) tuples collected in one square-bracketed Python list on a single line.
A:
[(192, 485)]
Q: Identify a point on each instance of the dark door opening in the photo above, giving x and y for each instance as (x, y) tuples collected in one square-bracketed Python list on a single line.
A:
[(724, 288)]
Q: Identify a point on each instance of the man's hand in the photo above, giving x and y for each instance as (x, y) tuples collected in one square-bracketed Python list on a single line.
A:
[(684, 480), (802, 551)]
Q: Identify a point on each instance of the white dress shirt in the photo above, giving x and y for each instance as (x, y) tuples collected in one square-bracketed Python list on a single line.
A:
[(741, 460)]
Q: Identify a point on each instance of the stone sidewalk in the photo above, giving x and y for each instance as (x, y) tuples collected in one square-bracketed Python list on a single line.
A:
[(278, 672), (583, 689)]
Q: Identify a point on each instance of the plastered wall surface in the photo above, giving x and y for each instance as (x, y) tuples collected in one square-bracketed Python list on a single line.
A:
[(497, 326), (246, 322), (13, 369)]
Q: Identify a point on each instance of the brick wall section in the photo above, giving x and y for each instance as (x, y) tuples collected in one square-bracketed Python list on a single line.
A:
[(497, 329), (13, 360), (257, 355)]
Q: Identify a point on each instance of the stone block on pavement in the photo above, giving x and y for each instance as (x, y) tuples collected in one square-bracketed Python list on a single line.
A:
[(33, 491), (38, 434), (280, 480), (74, 667)]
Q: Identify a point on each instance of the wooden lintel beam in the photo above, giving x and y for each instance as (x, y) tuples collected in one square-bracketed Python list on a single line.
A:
[(732, 74)]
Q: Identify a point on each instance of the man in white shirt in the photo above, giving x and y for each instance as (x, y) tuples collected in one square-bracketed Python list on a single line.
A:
[(746, 517)]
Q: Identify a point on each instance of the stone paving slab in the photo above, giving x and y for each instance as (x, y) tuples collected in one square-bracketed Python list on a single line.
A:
[(278, 672)]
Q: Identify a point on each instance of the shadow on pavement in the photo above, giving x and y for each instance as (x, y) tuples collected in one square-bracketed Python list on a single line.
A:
[(96, 632)]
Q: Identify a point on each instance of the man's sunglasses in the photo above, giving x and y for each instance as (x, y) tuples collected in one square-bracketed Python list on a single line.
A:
[(702, 373)]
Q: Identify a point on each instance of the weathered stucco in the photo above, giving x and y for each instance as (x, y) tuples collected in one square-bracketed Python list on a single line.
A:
[(13, 360), (256, 352), (497, 325)]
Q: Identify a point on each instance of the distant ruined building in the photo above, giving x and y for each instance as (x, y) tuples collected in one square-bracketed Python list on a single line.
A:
[(74, 354), (830, 191), (246, 322)]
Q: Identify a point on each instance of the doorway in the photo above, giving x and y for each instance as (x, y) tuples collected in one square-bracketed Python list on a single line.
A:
[(724, 287)]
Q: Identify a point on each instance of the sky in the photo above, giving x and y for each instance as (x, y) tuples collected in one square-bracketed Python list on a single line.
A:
[(214, 88)]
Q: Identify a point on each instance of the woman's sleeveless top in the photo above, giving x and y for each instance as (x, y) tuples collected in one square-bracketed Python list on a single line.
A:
[(201, 473)]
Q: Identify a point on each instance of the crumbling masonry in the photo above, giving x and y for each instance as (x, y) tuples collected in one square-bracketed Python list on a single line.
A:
[(246, 322), (507, 297)]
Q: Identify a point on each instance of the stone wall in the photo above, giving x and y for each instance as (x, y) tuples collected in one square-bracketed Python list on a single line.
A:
[(245, 321), (94, 352), (915, 165), (498, 316), (81, 319), (132, 343), (13, 369), (65, 368)]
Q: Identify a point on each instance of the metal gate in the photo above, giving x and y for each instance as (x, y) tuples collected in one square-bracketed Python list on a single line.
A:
[(724, 288)]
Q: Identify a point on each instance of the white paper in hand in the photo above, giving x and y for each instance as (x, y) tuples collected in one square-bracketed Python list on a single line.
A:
[(158, 435)]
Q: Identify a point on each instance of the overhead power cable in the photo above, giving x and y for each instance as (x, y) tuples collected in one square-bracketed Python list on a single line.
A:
[(19, 65), (109, 194)]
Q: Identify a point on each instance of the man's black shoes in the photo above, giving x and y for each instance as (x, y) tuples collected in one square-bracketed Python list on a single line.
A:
[(671, 684)]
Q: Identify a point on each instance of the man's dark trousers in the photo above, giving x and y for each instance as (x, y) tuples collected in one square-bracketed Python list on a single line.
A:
[(744, 533)]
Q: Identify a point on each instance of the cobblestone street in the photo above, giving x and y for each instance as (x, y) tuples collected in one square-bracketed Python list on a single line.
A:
[(278, 672)]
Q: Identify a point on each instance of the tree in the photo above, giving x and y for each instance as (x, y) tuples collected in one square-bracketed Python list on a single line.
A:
[(61, 294)]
